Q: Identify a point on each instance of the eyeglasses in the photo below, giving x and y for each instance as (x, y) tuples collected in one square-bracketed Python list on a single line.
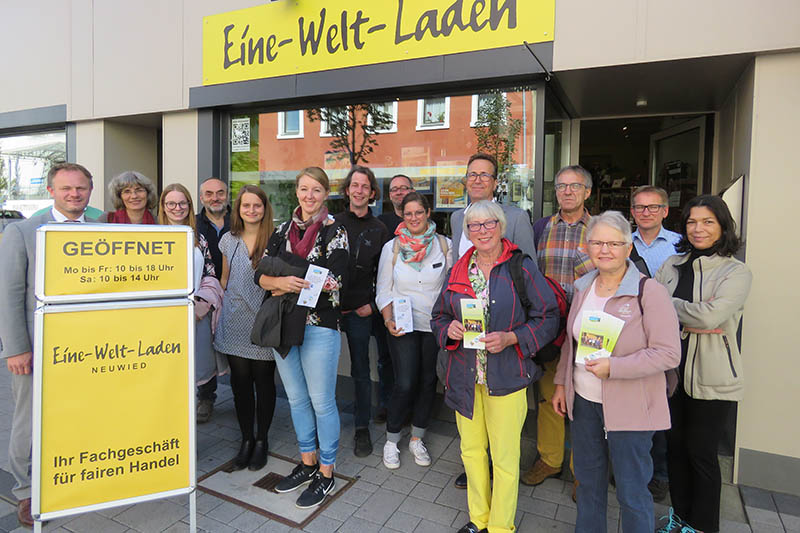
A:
[(612, 245), (178, 205), (483, 176), (574, 187), (414, 214), (401, 188), (132, 192), (488, 225), (652, 208)]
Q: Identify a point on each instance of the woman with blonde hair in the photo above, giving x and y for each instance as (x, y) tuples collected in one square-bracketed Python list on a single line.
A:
[(308, 371)]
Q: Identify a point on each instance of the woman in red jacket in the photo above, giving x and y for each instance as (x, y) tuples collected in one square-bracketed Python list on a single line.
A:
[(611, 378)]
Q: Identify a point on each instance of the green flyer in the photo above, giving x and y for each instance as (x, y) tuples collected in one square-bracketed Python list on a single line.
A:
[(598, 336), (474, 326)]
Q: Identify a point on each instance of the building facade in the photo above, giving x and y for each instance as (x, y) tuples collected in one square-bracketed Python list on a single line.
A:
[(690, 96)]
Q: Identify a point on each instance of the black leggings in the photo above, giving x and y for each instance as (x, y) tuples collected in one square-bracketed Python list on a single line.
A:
[(245, 374)]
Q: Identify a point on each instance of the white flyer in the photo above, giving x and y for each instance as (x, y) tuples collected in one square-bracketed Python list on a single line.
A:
[(316, 275), (403, 314)]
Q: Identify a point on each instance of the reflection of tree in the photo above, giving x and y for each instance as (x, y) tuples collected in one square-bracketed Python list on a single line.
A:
[(496, 132), (354, 128)]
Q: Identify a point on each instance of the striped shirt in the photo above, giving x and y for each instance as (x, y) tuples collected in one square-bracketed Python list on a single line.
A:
[(561, 252)]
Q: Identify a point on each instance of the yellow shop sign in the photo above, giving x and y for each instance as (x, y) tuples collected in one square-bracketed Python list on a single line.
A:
[(294, 37)]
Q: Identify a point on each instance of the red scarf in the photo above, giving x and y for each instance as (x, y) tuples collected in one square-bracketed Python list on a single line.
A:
[(302, 246), (120, 216)]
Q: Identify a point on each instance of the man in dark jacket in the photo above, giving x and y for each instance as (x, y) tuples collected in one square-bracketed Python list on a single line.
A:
[(366, 235), (213, 221)]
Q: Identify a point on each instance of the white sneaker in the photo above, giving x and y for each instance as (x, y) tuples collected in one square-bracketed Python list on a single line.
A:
[(420, 452), (391, 455)]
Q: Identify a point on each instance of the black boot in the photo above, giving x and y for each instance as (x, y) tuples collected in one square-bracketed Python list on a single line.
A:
[(259, 457), (243, 457)]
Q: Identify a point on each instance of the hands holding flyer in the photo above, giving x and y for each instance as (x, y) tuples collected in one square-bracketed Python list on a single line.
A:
[(472, 330)]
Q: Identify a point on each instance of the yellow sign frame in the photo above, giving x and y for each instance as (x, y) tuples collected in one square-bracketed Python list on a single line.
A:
[(101, 262), (292, 37), (63, 402)]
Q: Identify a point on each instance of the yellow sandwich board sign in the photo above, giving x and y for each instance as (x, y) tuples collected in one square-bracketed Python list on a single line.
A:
[(94, 262), (113, 393)]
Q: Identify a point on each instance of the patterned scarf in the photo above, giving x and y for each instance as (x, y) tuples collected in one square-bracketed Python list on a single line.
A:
[(302, 246), (414, 249)]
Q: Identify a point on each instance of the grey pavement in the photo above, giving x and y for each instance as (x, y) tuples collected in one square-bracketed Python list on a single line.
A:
[(409, 499)]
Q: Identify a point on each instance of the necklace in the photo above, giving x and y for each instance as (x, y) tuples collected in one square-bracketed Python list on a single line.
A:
[(613, 287)]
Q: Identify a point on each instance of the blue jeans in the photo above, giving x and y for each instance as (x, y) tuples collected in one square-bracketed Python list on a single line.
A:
[(309, 377), (359, 330), (633, 468), (659, 455)]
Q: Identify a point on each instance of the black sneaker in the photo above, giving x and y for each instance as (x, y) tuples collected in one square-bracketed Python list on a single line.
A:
[(301, 475), (472, 528), (315, 494), (659, 489), (363, 443)]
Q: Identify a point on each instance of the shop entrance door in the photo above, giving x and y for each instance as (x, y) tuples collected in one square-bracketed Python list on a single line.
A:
[(677, 162)]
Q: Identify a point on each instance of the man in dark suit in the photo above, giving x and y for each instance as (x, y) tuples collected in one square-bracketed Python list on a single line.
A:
[(70, 185)]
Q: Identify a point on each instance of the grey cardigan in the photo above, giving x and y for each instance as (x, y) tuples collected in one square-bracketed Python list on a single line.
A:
[(518, 230)]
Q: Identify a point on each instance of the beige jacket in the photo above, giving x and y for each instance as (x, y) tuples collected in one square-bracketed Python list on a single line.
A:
[(713, 362)]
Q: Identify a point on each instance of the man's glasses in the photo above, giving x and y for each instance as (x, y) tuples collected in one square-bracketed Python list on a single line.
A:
[(176, 205), (652, 208), (399, 188), (612, 245), (574, 187), (483, 176), (475, 227)]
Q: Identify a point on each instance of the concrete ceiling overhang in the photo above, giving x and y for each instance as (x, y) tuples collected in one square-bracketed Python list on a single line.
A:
[(697, 85)]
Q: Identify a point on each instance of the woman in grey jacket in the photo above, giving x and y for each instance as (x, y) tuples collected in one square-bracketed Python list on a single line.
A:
[(708, 288)]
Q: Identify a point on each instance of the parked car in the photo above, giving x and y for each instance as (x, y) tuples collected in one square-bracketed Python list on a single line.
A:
[(9, 216)]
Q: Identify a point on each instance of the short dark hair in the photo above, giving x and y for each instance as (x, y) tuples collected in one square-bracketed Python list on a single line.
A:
[(728, 243), (58, 167), (485, 157), (414, 196), (373, 181)]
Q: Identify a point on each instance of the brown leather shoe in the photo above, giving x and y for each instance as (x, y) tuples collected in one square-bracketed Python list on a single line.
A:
[(24, 512), (538, 473)]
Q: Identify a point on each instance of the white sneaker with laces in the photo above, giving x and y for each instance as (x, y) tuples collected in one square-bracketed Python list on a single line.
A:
[(391, 455), (420, 452)]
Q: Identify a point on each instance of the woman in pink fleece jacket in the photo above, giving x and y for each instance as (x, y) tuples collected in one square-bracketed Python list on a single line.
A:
[(616, 401)]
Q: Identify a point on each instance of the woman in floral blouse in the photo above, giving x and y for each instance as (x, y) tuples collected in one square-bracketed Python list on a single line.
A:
[(309, 371)]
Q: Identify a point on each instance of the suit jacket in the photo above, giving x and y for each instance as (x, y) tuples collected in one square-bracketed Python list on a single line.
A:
[(18, 267), (518, 230)]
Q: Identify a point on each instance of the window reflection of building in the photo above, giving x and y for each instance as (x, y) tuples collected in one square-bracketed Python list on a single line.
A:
[(24, 162)]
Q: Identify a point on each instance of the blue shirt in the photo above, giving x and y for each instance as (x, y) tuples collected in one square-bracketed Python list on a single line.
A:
[(657, 251)]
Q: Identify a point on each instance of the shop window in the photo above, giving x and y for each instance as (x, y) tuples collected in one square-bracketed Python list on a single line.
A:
[(290, 124), (24, 163), (435, 163), (433, 113)]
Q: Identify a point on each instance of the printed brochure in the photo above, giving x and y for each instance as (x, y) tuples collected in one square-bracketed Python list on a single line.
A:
[(598, 336), (474, 326)]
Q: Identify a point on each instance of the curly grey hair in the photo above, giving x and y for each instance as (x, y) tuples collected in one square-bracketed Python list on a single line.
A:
[(128, 179)]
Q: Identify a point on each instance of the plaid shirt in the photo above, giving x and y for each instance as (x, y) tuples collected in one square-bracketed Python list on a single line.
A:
[(562, 251)]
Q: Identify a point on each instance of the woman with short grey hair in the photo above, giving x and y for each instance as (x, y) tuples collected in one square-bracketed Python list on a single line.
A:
[(485, 210), (612, 219), (133, 195)]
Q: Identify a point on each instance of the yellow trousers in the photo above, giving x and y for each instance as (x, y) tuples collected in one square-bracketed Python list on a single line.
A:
[(549, 425), (496, 421)]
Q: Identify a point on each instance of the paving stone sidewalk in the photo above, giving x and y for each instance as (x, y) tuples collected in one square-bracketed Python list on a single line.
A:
[(409, 499)]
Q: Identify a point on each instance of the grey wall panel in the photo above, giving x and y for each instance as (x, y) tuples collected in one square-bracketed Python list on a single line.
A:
[(39, 116), (769, 471)]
